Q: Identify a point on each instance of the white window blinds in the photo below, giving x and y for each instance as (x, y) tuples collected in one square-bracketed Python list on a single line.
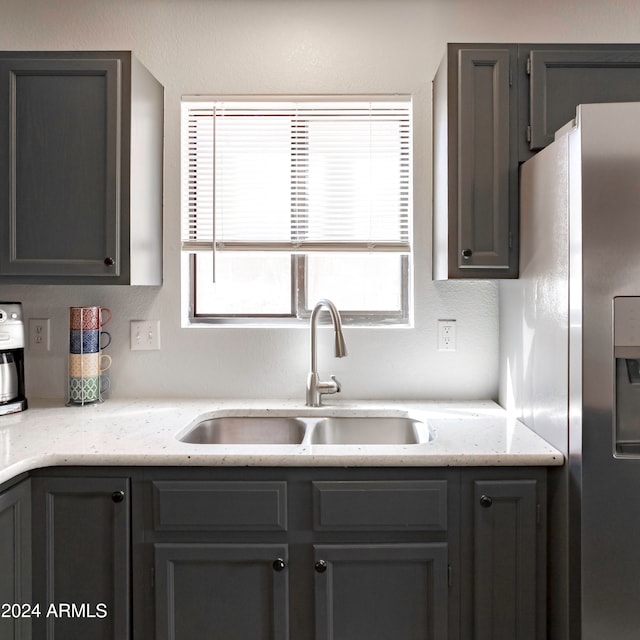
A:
[(296, 176)]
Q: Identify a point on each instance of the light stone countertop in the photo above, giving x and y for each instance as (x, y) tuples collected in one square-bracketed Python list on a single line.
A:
[(142, 432)]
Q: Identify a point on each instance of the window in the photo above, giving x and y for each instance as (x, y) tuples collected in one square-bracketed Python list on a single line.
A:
[(287, 202)]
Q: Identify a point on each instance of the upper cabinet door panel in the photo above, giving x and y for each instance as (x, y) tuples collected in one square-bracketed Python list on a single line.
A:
[(62, 190), (475, 163), (483, 160), (62, 194), (81, 169), (561, 79)]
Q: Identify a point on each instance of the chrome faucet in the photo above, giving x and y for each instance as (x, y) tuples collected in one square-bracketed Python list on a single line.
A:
[(315, 386)]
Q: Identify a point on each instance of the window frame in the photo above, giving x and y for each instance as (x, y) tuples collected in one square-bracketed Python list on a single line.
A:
[(350, 318), (300, 306)]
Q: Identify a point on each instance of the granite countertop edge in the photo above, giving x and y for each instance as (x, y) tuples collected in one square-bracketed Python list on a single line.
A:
[(143, 432)]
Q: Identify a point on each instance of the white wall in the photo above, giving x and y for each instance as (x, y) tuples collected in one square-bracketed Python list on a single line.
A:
[(291, 46)]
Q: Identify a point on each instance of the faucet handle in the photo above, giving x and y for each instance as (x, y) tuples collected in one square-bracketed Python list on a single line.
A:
[(337, 383)]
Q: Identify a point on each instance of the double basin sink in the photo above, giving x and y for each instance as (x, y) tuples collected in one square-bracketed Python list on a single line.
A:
[(345, 429)]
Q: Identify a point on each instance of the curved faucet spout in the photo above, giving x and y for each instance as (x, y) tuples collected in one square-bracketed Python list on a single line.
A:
[(315, 387)]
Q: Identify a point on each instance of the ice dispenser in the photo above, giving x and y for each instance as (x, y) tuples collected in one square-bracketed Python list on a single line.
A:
[(626, 349)]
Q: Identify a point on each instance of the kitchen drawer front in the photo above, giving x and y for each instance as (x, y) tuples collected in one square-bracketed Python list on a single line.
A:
[(419, 505), (219, 506)]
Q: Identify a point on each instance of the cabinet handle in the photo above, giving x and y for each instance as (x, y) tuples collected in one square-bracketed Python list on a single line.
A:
[(467, 253), (279, 564), (109, 261), (117, 496), (321, 566), (486, 501)]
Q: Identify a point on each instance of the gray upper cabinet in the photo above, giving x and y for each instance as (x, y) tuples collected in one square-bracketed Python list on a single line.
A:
[(494, 106), (475, 163), (81, 161), (563, 77)]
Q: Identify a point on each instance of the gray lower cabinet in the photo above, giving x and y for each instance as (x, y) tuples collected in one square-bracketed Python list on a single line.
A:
[(278, 554), (212, 556), (381, 591), (81, 139), (81, 557), (230, 591), (494, 106), (391, 580), (15, 562), (504, 546)]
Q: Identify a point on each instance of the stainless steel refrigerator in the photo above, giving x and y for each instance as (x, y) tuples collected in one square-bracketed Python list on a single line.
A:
[(570, 363)]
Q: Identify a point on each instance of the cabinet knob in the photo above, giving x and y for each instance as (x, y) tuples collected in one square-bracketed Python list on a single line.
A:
[(117, 496), (321, 566), (109, 261), (486, 501), (467, 253), (279, 564)]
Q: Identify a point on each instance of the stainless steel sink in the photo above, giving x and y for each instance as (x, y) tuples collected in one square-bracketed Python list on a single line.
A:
[(365, 430), (312, 429), (247, 430)]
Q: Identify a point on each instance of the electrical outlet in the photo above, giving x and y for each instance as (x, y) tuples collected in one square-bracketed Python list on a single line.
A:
[(446, 335), (39, 330), (145, 335)]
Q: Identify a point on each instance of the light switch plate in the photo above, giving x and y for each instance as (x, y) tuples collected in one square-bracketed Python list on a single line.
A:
[(145, 335)]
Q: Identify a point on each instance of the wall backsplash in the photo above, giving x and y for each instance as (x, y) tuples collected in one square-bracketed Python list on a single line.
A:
[(292, 47)]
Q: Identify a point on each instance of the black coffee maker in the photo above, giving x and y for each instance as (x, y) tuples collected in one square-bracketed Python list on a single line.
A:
[(12, 395)]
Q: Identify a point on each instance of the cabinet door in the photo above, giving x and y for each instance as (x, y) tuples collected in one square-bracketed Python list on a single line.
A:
[(484, 160), (475, 216), (15, 560), (59, 167), (221, 591), (505, 561), (381, 591), (81, 557), (562, 78)]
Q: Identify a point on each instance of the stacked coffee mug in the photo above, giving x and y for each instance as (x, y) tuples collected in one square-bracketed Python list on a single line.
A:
[(87, 363)]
